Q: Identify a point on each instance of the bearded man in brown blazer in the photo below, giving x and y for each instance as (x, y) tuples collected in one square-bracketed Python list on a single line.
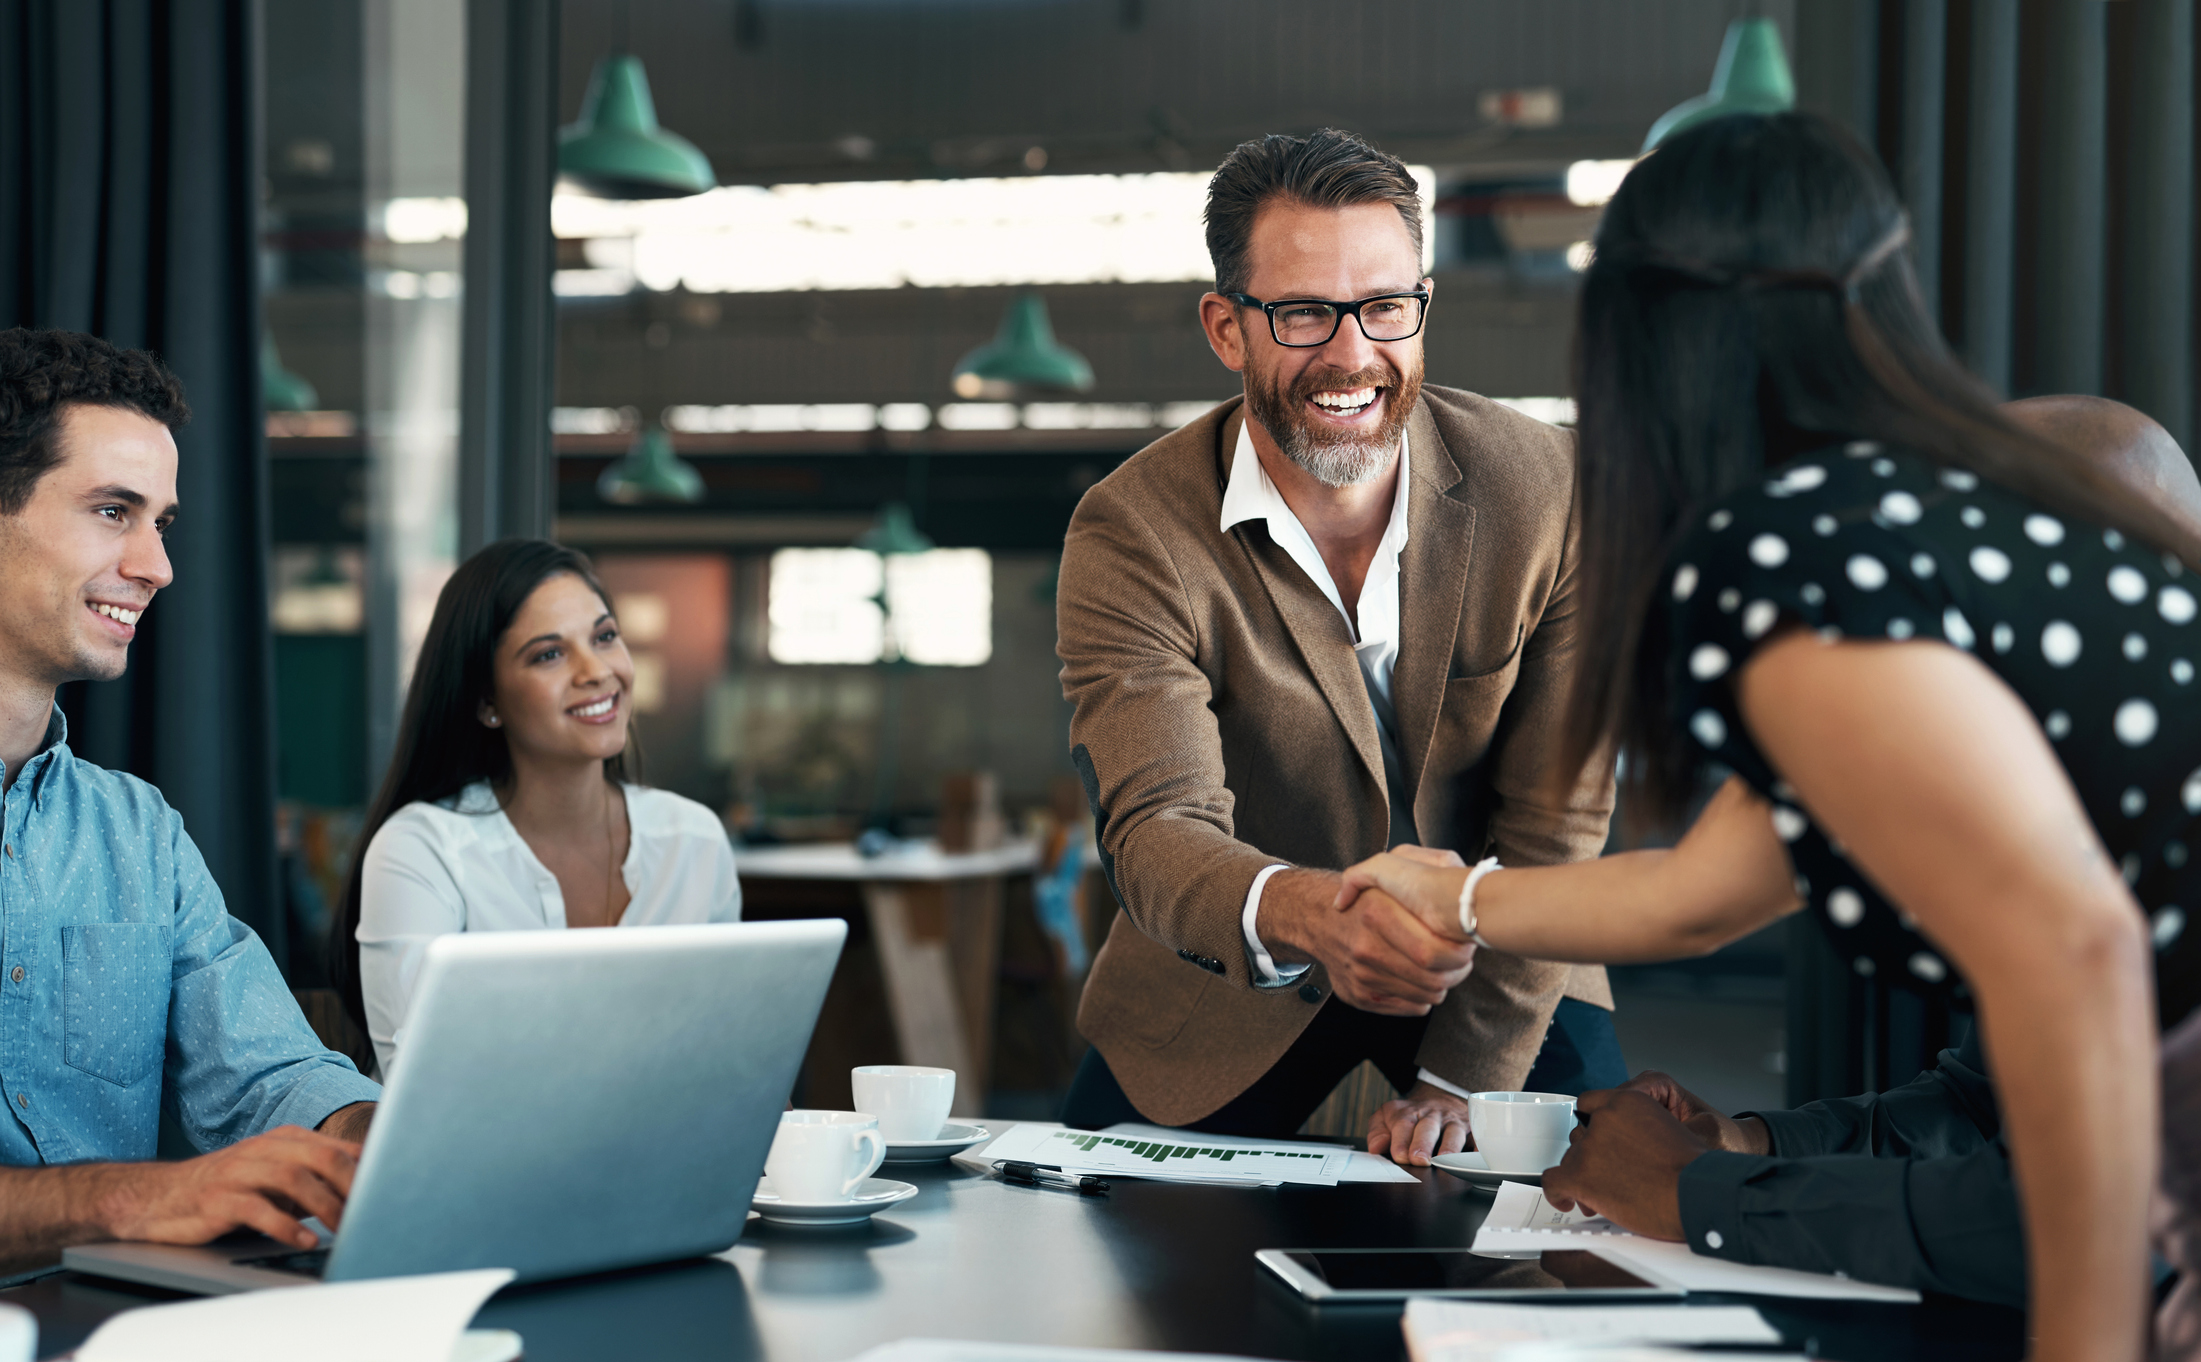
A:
[(1333, 616)]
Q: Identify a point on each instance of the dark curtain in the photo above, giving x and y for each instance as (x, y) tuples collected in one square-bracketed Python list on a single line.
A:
[(128, 209)]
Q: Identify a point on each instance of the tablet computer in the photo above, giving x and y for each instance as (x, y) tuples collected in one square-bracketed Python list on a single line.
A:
[(1396, 1274)]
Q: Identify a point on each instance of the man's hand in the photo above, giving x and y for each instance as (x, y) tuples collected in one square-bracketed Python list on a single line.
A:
[(1747, 1136), (267, 1183), (1428, 1121), (1625, 1163), (1378, 957), (1425, 883)]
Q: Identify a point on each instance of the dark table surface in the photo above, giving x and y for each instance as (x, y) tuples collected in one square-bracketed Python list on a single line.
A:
[(1154, 1265)]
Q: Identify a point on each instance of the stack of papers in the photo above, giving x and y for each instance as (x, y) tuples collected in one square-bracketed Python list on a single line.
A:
[(1521, 1221), (1141, 1151), (1477, 1331)]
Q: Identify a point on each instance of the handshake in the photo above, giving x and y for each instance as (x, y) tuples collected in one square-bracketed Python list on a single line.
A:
[(1388, 930)]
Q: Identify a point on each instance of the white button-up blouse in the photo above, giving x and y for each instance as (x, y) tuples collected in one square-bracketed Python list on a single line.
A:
[(461, 866)]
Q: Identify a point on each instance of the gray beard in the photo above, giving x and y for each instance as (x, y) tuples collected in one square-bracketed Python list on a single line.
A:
[(1342, 463)]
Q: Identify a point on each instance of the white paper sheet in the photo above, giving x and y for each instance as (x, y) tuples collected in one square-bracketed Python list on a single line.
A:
[(1521, 1221), (1693, 1271), (980, 1159), (1172, 1155), (1360, 1166), (1468, 1331), (394, 1319)]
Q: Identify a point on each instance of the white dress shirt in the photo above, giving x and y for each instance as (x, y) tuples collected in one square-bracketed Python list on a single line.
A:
[(461, 866), (1374, 626)]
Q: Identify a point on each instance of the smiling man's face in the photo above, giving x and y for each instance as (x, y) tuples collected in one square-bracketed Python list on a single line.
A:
[(81, 561), (1336, 410)]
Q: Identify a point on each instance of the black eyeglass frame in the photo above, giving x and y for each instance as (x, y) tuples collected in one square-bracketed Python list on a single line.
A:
[(1420, 295)]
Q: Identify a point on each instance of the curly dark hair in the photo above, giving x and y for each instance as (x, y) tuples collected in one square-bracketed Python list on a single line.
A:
[(43, 373)]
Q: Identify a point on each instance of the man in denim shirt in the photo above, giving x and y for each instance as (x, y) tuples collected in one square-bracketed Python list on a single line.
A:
[(125, 986)]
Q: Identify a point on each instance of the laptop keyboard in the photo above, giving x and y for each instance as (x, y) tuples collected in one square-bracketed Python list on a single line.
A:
[(309, 1263)]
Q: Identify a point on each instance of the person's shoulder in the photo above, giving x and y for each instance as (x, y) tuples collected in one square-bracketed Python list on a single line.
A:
[(661, 813), (439, 823), (1176, 477), (124, 797), (1486, 420), (1837, 487), (1507, 459)]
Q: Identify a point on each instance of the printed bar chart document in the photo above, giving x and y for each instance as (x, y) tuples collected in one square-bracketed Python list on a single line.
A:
[(1176, 1156)]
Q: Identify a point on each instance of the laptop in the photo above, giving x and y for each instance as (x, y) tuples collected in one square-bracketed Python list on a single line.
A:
[(565, 1102)]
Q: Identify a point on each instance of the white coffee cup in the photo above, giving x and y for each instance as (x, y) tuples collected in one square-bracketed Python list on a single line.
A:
[(821, 1156), (1521, 1132), (911, 1101)]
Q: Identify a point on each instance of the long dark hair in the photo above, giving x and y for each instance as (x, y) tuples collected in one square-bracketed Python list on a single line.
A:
[(442, 745), (1750, 300)]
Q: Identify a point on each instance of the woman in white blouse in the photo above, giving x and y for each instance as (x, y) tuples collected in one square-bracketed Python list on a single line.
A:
[(508, 805)]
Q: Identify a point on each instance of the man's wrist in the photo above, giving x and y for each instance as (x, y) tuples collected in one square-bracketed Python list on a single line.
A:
[(107, 1200), (1426, 1079), (1757, 1137), (1286, 900)]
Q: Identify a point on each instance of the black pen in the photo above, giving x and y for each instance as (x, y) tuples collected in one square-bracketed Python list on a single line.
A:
[(1049, 1175)]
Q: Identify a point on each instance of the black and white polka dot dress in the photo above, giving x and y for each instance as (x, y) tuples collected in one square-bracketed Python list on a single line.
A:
[(2096, 634)]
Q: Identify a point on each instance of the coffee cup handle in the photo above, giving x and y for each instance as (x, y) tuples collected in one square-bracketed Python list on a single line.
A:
[(878, 1156)]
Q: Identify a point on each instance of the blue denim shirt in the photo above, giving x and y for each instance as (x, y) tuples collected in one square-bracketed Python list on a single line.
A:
[(125, 984)]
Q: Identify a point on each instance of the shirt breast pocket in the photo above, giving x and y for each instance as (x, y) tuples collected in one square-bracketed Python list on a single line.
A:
[(114, 998)]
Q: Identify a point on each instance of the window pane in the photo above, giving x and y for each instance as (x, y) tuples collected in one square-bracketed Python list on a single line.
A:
[(941, 606), (823, 607)]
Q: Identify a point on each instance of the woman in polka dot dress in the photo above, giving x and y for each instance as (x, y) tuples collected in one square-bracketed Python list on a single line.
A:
[(1944, 668)]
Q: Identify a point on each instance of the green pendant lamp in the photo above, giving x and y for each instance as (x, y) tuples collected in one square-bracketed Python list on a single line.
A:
[(650, 472), (280, 389), (617, 151), (1023, 358), (1752, 77), (895, 531)]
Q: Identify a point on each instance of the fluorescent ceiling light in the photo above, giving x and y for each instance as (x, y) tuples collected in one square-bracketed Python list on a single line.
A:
[(1038, 229), (1590, 183)]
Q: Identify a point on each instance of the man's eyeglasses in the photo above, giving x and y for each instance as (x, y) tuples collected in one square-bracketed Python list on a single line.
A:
[(1303, 323)]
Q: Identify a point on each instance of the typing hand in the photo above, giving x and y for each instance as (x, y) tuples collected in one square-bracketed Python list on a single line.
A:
[(1428, 1121), (267, 1183), (1426, 883), (1625, 1163), (1711, 1126)]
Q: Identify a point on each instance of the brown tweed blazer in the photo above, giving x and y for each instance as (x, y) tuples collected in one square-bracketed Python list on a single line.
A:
[(1222, 725)]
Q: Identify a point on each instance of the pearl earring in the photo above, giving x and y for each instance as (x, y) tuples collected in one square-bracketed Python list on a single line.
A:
[(493, 721)]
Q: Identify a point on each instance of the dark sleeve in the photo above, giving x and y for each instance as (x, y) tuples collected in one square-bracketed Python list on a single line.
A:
[(1949, 1109), (1911, 1187)]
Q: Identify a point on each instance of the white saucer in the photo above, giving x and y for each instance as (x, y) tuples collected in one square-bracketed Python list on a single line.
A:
[(872, 1195), (954, 1139), (1471, 1165)]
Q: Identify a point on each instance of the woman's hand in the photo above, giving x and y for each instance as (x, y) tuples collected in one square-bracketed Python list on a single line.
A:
[(1426, 882)]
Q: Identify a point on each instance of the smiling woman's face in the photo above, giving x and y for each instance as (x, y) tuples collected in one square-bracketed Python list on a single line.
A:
[(563, 680)]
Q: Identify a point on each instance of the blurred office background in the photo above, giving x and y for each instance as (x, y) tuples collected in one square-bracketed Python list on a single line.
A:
[(832, 528)]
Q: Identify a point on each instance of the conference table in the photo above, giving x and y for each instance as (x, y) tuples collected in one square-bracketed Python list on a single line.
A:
[(1151, 1266)]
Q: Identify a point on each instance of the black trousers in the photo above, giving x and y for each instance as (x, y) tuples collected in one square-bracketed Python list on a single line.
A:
[(1580, 1052)]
